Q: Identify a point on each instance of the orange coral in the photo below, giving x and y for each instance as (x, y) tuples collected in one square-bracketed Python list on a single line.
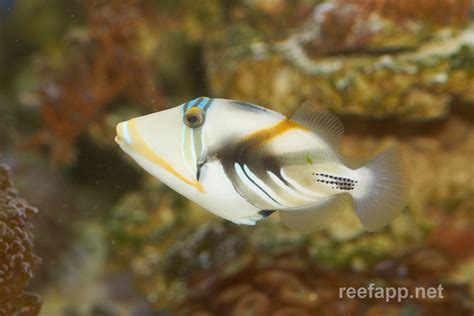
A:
[(457, 241), (106, 65), (17, 259)]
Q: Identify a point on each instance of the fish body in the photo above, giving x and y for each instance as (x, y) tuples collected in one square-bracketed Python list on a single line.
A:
[(243, 162)]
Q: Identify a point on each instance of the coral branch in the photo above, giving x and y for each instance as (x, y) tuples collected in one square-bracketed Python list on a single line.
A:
[(17, 259), (107, 64)]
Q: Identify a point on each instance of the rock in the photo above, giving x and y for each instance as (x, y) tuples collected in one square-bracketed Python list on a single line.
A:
[(262, 289), (383, 72)]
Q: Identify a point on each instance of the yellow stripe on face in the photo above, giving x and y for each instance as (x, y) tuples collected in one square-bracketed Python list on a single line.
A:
[(140, 145)]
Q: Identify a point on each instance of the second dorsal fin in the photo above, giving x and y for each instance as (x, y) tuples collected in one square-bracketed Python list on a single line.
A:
[(323, 123)]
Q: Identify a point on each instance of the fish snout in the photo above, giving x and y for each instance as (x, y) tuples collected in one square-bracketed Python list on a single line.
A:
[(123, 134)]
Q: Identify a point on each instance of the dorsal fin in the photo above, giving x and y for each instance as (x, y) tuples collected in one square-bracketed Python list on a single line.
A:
[(323, 123)]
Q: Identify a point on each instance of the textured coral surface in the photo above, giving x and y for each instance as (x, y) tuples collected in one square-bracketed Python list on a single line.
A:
[(104, 66), (17, 258), (291, 284)]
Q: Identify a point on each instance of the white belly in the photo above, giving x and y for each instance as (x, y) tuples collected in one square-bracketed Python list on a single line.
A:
[(222, 199), (219, 197)]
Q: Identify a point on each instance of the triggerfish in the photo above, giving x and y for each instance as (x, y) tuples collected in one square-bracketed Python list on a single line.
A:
[(244, 162)]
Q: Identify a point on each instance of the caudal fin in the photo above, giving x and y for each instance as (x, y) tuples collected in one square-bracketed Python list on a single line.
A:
[(382, 193)]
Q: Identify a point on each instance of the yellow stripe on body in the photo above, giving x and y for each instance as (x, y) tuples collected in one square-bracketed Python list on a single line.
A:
[(246, 155), (148, 153), (265, 135)]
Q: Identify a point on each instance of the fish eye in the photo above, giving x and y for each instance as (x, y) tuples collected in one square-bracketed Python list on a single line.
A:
[(194, 117)]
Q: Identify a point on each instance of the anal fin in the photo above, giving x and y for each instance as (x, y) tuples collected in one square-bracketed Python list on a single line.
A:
[(312, 217)]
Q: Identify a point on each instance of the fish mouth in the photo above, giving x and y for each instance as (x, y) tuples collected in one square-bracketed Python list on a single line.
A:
[(118, 131), (119, 140), (123, 135), (131, 141)]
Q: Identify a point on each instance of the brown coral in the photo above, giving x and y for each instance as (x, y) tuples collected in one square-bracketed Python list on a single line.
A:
[(353, 25), (17, 259), (437, 12), (107, 63), (292, 284)]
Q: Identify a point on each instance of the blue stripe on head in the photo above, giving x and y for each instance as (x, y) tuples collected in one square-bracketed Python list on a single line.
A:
[(188, 105), (206, 104), (193, 102), (202, 102), (185, 107)]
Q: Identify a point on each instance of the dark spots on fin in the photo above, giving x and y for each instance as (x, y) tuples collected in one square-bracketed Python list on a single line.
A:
[(265, 213), (336, 182)]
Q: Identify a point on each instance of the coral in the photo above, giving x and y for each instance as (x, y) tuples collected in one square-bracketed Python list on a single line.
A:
[(162, 250), (110, 59), (358, 57), (380, 26), (438, 12), (291, 283), (44, 186), (414, 85), (17, 259), (456, 240)]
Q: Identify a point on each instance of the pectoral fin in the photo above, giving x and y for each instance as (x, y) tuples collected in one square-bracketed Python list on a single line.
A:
[(312, 217)]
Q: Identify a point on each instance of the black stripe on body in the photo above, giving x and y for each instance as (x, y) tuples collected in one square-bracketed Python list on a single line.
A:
[(275, 164), (258, 157), (261, 189), (265, 213)]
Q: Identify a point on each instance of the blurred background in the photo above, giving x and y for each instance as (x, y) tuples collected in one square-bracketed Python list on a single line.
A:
[(84, 231)]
